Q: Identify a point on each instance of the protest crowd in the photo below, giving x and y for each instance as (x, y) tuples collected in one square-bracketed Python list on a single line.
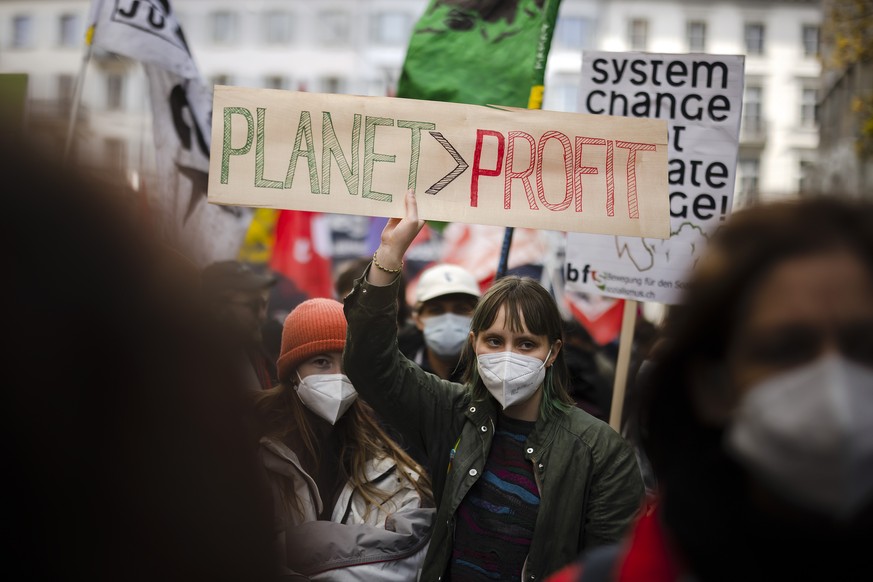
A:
[(218, 419)]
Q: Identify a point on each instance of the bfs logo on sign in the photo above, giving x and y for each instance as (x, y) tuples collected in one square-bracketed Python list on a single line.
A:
[(153, 17)]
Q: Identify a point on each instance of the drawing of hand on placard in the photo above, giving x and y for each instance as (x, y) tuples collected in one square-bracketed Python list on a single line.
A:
[(680, 250)]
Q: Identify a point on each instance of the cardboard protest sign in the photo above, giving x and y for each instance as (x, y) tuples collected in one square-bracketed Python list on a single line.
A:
[(701, 96), (474, 164)]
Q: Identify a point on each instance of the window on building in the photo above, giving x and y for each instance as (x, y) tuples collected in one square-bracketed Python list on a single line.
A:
[(810, 40), (278, 27), (332, 85), (747, 173), (390, 28), (638, 34), (808, 107), (696, 31), (754, 35), (275, 82), (69, 34), (333, 28), (573, 32), (22, 31), (223, 27), (114, 91), (753, 110)]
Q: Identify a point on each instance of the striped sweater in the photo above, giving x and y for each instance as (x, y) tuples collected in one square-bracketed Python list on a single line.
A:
[(496, 519)]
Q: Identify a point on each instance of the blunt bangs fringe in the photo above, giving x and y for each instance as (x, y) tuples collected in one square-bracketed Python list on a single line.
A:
[(526, 303)]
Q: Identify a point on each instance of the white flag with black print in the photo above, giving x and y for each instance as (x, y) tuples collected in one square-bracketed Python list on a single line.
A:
[(145, 30), (148, 31)]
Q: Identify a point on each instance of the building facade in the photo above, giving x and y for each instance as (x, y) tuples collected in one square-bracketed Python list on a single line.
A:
[(357, 46), (779, 130)]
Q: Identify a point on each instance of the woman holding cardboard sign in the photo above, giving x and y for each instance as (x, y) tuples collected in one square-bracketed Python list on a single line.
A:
[(523, 480)]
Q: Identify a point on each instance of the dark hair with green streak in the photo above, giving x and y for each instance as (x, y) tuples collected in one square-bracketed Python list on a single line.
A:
[(527, 302)]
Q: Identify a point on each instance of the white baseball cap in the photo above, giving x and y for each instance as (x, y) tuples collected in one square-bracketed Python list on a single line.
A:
[(444, 280)]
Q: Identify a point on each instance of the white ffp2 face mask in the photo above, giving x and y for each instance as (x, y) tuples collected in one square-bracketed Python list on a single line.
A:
[(809, 434), (327, 395), (445, 334), (511, 378)]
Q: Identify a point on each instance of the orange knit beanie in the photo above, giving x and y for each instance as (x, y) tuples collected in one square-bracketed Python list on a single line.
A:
[(313, 327)]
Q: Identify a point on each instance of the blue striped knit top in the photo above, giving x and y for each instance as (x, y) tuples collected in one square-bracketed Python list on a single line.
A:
[(495, 521)]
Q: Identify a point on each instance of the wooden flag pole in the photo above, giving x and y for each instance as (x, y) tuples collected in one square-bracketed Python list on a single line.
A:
[(625, 346)]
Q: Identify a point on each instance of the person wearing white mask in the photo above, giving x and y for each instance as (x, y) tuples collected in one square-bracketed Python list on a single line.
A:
[(757, 414), (523, 480), (350, 504), (445, 297)]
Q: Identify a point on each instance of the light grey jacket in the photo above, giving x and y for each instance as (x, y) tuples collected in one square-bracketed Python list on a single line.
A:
[(387, 543)]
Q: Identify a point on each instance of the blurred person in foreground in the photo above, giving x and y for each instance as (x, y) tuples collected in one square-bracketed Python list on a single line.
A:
[(239, 298), (445, 297), (124, 450), (523, 479), (350, 504), (757, 414)]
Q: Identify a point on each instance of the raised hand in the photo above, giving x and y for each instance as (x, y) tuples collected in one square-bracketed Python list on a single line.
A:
[(397, 235)]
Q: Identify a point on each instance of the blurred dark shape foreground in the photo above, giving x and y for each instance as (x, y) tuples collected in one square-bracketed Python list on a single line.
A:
[(125, 457)]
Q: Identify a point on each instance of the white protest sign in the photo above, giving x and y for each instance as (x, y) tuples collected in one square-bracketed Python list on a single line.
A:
[(701, 96), (473, 164)]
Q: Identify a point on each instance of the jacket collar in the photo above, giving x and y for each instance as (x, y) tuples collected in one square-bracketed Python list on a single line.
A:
[(482, 412), (374, 469), (284, 461)]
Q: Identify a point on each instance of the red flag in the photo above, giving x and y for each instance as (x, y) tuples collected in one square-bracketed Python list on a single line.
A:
[(601, 316), (302, 251)]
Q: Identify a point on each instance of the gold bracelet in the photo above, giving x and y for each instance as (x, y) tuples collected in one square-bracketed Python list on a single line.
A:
[(386, 269)]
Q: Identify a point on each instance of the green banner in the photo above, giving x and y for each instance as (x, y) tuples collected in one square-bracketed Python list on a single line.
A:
[(490, 52), (13, 99)]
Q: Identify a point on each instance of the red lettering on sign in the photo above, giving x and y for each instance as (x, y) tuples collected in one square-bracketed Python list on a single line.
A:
[(581, 170), (568, 170), (633, 205), (523, 175), (477, 162)]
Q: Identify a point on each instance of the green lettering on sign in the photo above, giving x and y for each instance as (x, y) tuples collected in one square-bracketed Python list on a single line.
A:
[(304, 133), (371, 157), (331, 147), (226, 149), (260, 182), (416, 127)]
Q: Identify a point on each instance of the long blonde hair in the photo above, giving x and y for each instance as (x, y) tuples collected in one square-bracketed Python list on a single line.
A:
[(280, 414)]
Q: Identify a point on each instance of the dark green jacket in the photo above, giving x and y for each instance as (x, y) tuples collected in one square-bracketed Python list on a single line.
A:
[(589, 481)]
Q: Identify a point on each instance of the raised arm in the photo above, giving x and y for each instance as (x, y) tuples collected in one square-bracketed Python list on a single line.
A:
[(420, 405), (397, 235)]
